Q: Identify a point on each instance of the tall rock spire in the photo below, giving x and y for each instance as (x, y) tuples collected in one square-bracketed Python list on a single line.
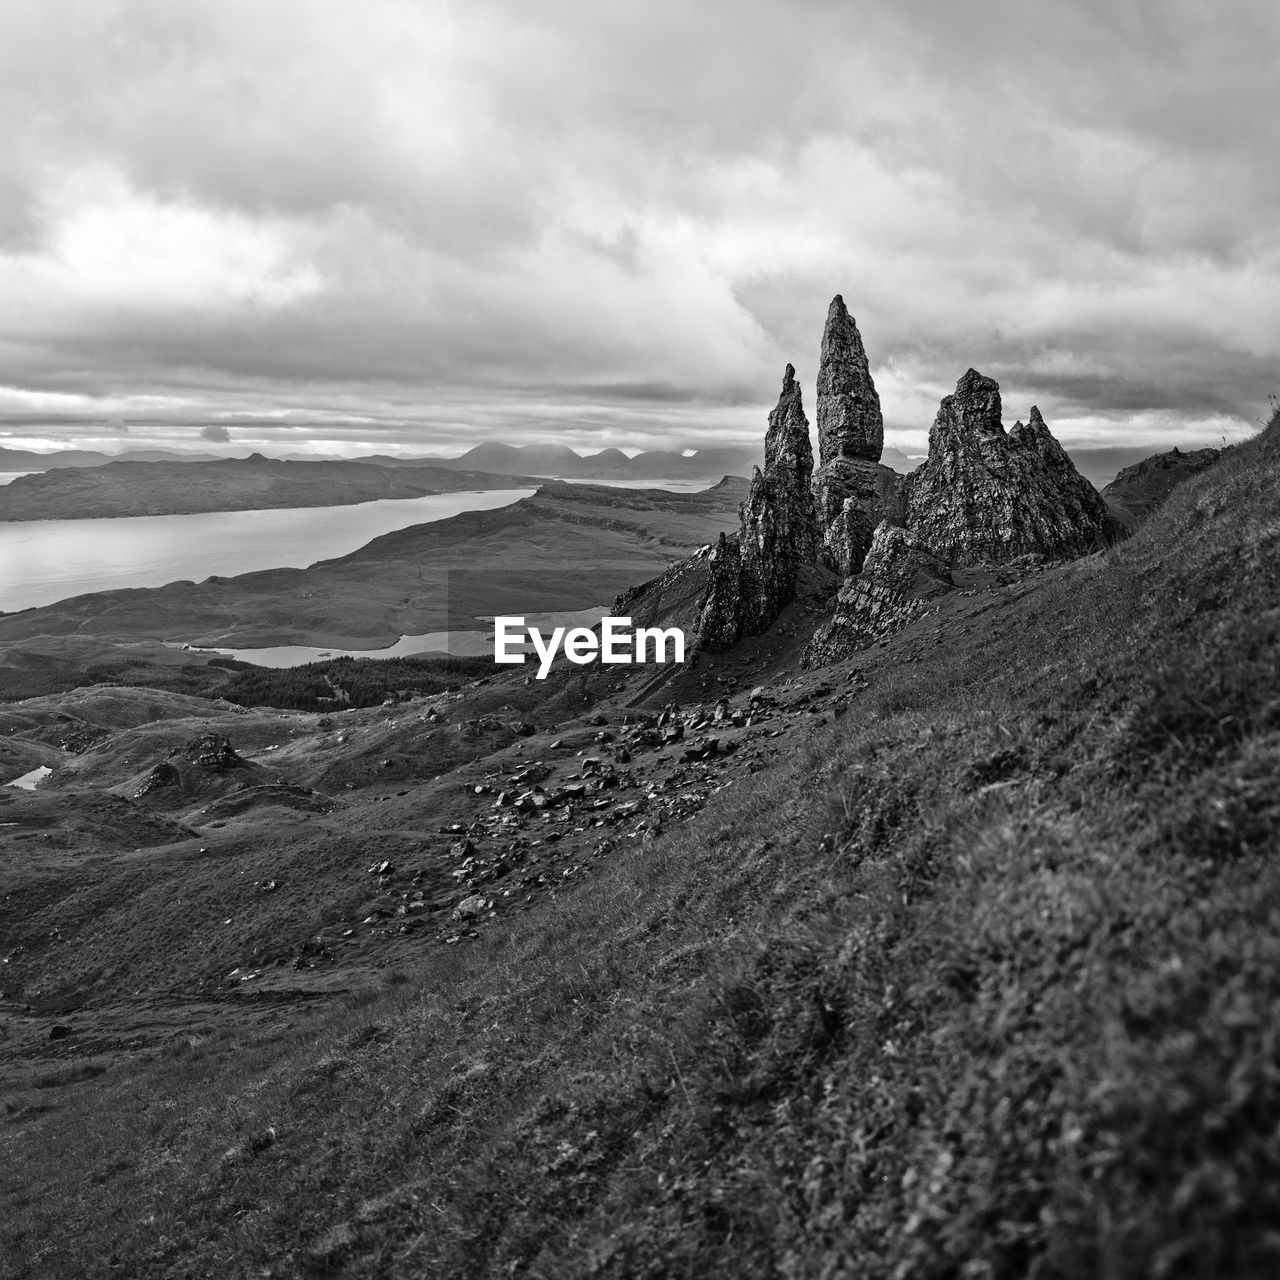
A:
[(753, 580), (853, 492), (850, 424)]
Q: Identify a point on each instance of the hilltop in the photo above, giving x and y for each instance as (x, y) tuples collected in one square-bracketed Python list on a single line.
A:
[(255, 483), (984, 951), (566, 547), (921, 924)]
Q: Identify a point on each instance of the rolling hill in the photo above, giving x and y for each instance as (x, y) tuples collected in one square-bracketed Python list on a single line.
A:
[(954, 957)]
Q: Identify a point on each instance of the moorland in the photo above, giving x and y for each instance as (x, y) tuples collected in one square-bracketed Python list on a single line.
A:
[(955, 957)]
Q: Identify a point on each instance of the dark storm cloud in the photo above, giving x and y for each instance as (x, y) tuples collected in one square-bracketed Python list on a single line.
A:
[(214, 432), (617, 222)]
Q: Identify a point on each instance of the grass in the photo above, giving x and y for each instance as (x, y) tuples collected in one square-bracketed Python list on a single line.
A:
[(983, 983), (333, 683)]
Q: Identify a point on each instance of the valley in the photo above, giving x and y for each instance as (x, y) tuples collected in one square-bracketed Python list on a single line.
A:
[(456, 983), (161, 488), (566, 547), (949, 849)]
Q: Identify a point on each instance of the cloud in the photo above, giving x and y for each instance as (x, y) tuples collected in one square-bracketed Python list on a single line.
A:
[(569, 223), (213, 432)]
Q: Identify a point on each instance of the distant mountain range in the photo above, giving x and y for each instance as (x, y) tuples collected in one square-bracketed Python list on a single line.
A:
[(29, 460), (1099, 466), (551, 460)]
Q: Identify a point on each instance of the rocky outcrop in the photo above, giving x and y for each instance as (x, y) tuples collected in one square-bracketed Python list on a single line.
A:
[(722, 615), (852, 497), (899, 577), (987, 495), (1141, 489), (753, 578), (852, 491), (850, 424)]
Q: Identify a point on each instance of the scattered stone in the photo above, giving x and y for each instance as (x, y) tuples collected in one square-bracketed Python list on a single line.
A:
[(471, 907)]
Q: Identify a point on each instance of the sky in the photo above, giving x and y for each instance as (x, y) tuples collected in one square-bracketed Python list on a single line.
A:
[(407, 226)]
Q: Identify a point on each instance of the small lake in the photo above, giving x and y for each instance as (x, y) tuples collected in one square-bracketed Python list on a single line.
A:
[(671, 486), (29, 781), (42, 561), (458, 644)]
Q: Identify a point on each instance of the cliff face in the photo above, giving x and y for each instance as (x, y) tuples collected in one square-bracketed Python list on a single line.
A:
[(898, 579), (984, 495), (754, 578), (852, 490)]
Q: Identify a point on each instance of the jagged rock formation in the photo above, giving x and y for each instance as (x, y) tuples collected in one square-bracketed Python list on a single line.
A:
[(899, 577), (850, 424), (853, 497), (984, 495), (754, 578), (852, 491)]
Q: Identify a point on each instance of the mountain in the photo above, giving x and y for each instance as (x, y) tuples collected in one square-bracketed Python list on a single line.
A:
[(567, 547), (230, 484), (679, 973), (561, 461), (922, 921), (29, 460)]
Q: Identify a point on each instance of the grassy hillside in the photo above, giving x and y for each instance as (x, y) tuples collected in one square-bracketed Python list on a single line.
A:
[(982, 982), (227, 484), (565, 547)]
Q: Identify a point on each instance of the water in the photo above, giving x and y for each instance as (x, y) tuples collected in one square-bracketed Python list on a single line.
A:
[(671, 486), (29, 781), (42, 561), (8, 477), (458, 644)]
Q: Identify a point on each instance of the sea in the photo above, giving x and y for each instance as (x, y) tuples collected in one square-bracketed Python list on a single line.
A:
[(43, 561)]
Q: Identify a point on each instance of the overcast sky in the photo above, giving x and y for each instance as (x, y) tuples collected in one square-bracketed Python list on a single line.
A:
[(412, 225)]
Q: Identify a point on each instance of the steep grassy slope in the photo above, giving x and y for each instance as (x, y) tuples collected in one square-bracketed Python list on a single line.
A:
[(985, 982)]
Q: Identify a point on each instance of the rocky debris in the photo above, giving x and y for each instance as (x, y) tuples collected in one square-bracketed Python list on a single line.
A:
[(984, 495), (162, 775), (79, 739), (753, 578), (852, 490), (898, 580), (210, 751), (1139, 490)]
